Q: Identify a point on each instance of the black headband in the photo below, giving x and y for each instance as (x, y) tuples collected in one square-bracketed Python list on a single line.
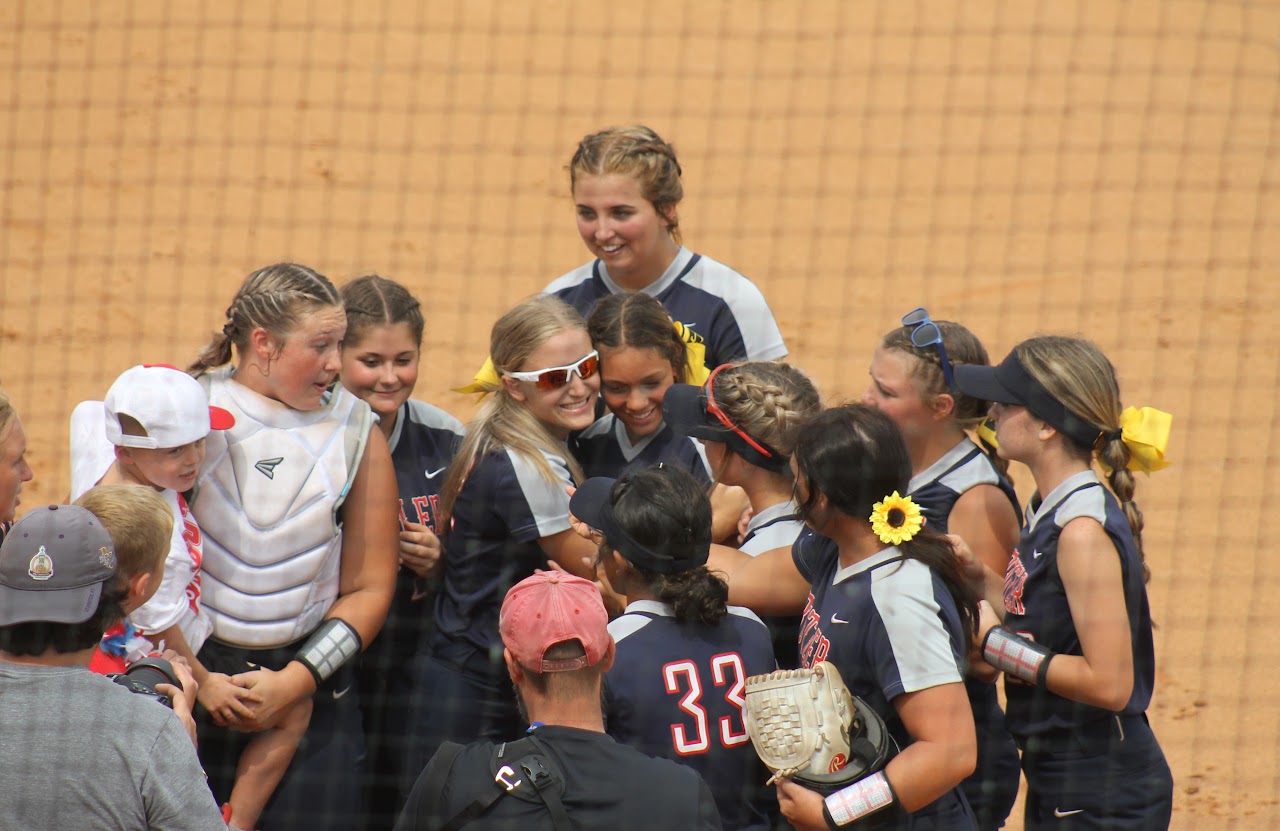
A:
[(593, 504)]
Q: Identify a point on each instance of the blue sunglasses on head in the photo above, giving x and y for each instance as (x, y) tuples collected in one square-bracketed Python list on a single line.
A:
[(925, 333)]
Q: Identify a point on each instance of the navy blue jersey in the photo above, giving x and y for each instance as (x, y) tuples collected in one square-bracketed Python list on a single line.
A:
[(777, 526), (993, 786), (1036, 604), (890, 626), (504, 508), (422, 444), (710, 298), (937, 488), (604, 449), (675, 691)]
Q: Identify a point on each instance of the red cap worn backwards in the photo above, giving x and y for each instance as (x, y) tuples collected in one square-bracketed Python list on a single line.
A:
[(548, 608)]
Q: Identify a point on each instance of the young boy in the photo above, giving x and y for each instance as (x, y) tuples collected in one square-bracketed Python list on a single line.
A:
[(150, 430)]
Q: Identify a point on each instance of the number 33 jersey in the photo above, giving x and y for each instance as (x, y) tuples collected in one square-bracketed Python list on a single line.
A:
[(676, 692)]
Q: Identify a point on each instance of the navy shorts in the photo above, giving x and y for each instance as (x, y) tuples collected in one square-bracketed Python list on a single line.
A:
[(1110, 775), (321, 789)]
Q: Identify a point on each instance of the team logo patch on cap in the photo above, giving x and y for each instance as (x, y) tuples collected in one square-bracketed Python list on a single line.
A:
[(107, 557), (41, 566)]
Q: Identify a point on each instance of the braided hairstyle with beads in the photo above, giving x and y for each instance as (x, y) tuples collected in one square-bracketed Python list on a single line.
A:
[(275, 298)]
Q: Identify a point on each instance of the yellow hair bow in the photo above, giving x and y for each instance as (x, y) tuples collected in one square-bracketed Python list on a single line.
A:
[(987, 433), (695, 370), (695, 350), (1146, 433), (486, 380)]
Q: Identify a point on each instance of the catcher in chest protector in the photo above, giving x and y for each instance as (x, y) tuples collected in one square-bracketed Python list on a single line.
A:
[(887, 613)]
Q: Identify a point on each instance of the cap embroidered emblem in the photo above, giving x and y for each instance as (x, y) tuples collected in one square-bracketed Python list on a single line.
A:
[(107, 557), (41, 566)]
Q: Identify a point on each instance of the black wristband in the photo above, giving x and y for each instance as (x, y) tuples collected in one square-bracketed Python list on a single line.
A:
[(332, 644)]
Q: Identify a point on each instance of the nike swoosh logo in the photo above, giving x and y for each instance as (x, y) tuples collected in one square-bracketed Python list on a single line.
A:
[(835, 619), (340, 693), (1059, 813), (431, 474), (1037, 555)]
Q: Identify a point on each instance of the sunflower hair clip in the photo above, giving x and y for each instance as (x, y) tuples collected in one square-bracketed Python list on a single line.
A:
[(896, 520)]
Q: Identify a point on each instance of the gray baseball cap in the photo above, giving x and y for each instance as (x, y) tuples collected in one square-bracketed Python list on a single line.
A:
[(54, 563)]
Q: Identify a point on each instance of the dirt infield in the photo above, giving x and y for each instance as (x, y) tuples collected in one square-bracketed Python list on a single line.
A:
[(1081, 167)]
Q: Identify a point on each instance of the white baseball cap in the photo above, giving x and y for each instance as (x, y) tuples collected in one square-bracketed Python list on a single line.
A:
[(170, 405)]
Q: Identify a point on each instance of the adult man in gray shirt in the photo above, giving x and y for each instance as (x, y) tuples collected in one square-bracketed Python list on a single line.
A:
[(81, 751)]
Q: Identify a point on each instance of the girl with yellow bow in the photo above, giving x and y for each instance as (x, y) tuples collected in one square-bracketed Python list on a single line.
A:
[(1075, 644)]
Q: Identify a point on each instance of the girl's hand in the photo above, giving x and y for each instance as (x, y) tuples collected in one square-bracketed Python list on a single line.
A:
[(744, 523), (614, 603), (226, 701), (801, 806), (277, 691), (420, 549)]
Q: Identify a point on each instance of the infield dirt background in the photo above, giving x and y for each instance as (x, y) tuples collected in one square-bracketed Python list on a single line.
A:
[(1104, 168)]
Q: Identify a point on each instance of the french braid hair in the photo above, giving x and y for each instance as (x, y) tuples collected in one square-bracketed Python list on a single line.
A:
[(634, 151), (274, 298), (769, 400)]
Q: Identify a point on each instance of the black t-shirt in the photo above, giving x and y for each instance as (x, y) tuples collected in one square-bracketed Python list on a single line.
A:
[(607, 785)]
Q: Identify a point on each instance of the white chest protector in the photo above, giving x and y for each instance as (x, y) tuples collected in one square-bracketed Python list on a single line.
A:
[(267, 504)]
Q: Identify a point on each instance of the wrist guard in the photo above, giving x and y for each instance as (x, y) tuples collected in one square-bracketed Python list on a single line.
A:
[(332, 644), (866, 796), (1015, 655)]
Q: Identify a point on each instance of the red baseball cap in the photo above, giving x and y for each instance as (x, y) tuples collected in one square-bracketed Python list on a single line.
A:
[(552, 607)]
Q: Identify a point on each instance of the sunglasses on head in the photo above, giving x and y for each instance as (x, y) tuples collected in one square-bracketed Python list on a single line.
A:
[(925, 333), (723, 417), (555, 377)]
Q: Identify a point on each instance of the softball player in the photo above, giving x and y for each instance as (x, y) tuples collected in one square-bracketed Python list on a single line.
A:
[(507, 512), (297, 506), (675, 690), (626, 186), (1076, 645), (961, 491), (885, 600), (380, 360), (748, 417), (641, 356)]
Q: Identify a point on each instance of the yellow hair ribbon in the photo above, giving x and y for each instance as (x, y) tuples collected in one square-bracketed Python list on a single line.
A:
[(695, 348), (1146, 433), (486, 380), (986, 433)]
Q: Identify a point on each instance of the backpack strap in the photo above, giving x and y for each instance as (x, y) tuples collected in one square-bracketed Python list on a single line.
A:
[(523, 768)]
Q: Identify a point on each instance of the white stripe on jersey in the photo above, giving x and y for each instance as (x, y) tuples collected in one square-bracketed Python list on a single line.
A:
[(548, 503), (903, 597)]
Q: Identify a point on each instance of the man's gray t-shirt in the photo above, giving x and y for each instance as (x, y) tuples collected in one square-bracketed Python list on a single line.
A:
[(83, 752)]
